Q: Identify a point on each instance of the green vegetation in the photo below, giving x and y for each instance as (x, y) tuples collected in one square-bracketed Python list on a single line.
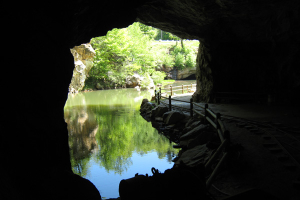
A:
[(123, 52)]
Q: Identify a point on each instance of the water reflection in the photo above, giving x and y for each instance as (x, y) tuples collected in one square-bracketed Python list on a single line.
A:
[(107, 131)]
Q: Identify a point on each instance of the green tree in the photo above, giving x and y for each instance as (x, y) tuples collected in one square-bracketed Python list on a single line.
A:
[(122, 52)]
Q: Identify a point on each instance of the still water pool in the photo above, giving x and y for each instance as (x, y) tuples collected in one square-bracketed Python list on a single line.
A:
[(110, 141)]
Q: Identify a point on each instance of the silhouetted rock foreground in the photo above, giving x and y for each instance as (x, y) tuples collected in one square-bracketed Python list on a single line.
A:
[(196, 140)]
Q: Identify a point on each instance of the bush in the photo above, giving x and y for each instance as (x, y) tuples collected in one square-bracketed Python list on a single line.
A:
[(167, 60), (190, 60), (146, 81), (179, 61), (158, 77)]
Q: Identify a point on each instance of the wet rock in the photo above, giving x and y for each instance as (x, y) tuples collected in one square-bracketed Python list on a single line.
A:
[(195, 156), (147, 107), (144, 101), (190, 126), (203, 138), (159, 111), (158, 119), (194, 132), (174, 117)]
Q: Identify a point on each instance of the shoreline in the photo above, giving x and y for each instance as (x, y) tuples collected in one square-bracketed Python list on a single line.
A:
[(253, 164)]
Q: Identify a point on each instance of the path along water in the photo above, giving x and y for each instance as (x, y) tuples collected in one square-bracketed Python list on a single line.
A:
[(270, 138)]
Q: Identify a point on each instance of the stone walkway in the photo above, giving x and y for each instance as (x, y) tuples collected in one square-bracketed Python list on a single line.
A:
[(270, 139)]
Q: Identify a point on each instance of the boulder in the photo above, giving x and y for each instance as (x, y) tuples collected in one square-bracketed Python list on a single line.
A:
[(191, 124), (159, 111), (146, 107), (174, 117), (144, 101), (133, 81), (195, 156), (194, 132)]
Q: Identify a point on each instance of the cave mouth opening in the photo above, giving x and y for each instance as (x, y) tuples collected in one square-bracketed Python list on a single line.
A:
[(82, 116)]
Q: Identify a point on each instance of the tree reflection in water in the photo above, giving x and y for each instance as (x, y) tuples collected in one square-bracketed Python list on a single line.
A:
[(109, 133)]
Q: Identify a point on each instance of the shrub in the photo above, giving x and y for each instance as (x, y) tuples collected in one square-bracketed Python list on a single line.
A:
[(167, 60), (179, 61), (190, 60), (158, 77), (146, 81)]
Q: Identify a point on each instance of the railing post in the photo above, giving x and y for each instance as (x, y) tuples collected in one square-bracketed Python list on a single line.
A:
[(159, 94), (155, 96), (191, 107), (170, 103), (171, 90), (182, 88)]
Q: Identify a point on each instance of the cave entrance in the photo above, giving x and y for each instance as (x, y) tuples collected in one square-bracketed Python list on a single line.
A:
[(109, 140)]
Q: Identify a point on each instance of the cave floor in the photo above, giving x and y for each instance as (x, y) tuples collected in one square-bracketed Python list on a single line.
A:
[(270, 155)]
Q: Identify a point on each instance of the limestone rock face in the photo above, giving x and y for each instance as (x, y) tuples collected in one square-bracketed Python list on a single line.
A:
[(83, 60), (133, 81), (182, 74)]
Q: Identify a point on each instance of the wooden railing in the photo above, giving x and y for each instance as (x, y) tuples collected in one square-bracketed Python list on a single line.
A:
[(212, 118), (182, 88), (224, 135)]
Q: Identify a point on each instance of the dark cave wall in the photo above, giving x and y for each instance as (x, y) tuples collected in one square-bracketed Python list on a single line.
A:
[(36, 72), (247, 46)]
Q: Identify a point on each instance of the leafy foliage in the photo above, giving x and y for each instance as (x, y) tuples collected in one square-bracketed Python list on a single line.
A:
[(123, 52), (184, 56), (158, 77)]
